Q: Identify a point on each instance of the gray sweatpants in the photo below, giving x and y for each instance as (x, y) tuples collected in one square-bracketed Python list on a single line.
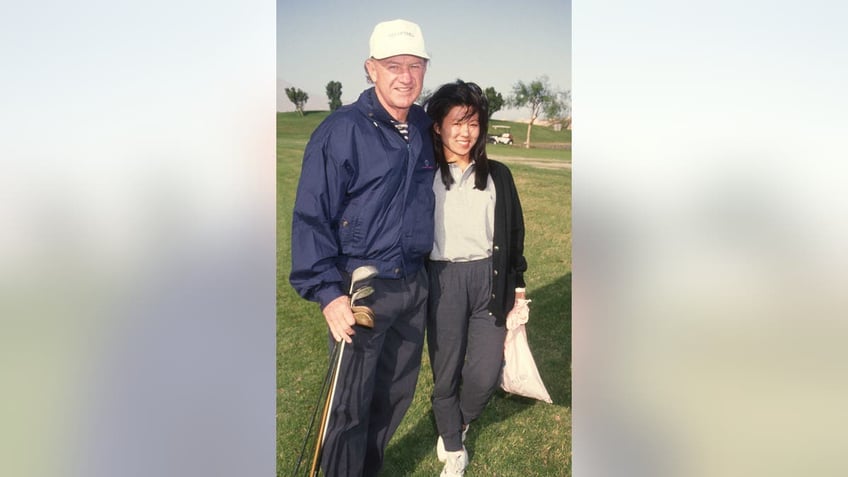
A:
[(464, 344)]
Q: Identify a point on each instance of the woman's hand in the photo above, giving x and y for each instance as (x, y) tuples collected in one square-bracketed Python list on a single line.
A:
[(520, 312)]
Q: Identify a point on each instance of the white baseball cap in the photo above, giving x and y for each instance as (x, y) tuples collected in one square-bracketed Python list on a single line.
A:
[(397, 37)]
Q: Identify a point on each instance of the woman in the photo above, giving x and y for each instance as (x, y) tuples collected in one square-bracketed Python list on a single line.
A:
[(476, 267)]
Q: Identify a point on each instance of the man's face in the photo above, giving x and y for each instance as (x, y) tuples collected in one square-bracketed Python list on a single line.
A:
[(397, 81)]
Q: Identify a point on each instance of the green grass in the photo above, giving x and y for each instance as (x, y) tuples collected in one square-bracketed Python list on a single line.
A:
[(498, 151), (515, 436)]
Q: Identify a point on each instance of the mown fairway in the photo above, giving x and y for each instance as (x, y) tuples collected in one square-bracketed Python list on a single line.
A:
[(515, 436)]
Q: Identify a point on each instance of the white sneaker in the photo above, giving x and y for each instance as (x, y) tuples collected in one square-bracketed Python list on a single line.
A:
[(455, 463), (441, 453)]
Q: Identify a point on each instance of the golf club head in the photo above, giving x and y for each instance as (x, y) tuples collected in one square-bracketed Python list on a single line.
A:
[(361, 293), (361, 273), (363, 315)]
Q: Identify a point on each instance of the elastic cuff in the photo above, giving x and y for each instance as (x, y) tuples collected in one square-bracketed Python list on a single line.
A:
[(327, 294)]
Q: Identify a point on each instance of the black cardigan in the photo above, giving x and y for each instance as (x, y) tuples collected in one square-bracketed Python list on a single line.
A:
[(508, 262)]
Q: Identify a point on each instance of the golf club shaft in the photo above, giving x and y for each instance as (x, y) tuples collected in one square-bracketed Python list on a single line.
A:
[(333, 388), (338, 351), (322, 398)]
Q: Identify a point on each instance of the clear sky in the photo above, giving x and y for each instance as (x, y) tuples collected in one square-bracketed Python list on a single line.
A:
[(494, 43)]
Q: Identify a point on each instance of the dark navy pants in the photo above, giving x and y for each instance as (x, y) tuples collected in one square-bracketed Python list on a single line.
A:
[(465, 345), (378, 377)]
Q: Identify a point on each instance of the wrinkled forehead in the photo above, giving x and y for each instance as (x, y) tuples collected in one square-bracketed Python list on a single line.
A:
[(403, 60)]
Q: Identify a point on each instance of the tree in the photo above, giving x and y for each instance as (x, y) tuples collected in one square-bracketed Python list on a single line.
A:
[(496, 101), (334, 92), (558, 111), (298, 97), (536, 95)]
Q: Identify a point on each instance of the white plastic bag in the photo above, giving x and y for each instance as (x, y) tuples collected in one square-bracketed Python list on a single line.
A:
[(520, 375)]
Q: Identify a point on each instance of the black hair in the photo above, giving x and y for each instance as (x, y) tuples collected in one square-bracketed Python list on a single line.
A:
[(439, 105)]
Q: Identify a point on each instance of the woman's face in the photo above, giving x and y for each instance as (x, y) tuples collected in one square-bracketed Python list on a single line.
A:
[(458, 132)]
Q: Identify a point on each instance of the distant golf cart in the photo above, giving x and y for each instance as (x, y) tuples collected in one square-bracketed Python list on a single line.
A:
[(503, 135)]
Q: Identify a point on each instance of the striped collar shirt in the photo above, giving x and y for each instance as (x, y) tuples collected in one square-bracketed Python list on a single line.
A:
[(403, 129)]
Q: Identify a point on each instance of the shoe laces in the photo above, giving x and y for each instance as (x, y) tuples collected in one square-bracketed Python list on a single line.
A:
[(456, 461)]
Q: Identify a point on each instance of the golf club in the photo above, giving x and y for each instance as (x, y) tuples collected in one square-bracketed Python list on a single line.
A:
[(361, 293), (321, 398), (364, 316), (360, 274)]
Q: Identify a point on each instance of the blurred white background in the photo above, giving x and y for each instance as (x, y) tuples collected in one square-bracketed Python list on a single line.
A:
[(137, 247), (709, 238)]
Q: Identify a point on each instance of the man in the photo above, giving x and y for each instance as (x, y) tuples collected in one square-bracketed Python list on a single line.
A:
[(365, 198)]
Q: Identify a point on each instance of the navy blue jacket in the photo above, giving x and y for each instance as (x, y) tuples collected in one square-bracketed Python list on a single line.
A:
[(365, 197)]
